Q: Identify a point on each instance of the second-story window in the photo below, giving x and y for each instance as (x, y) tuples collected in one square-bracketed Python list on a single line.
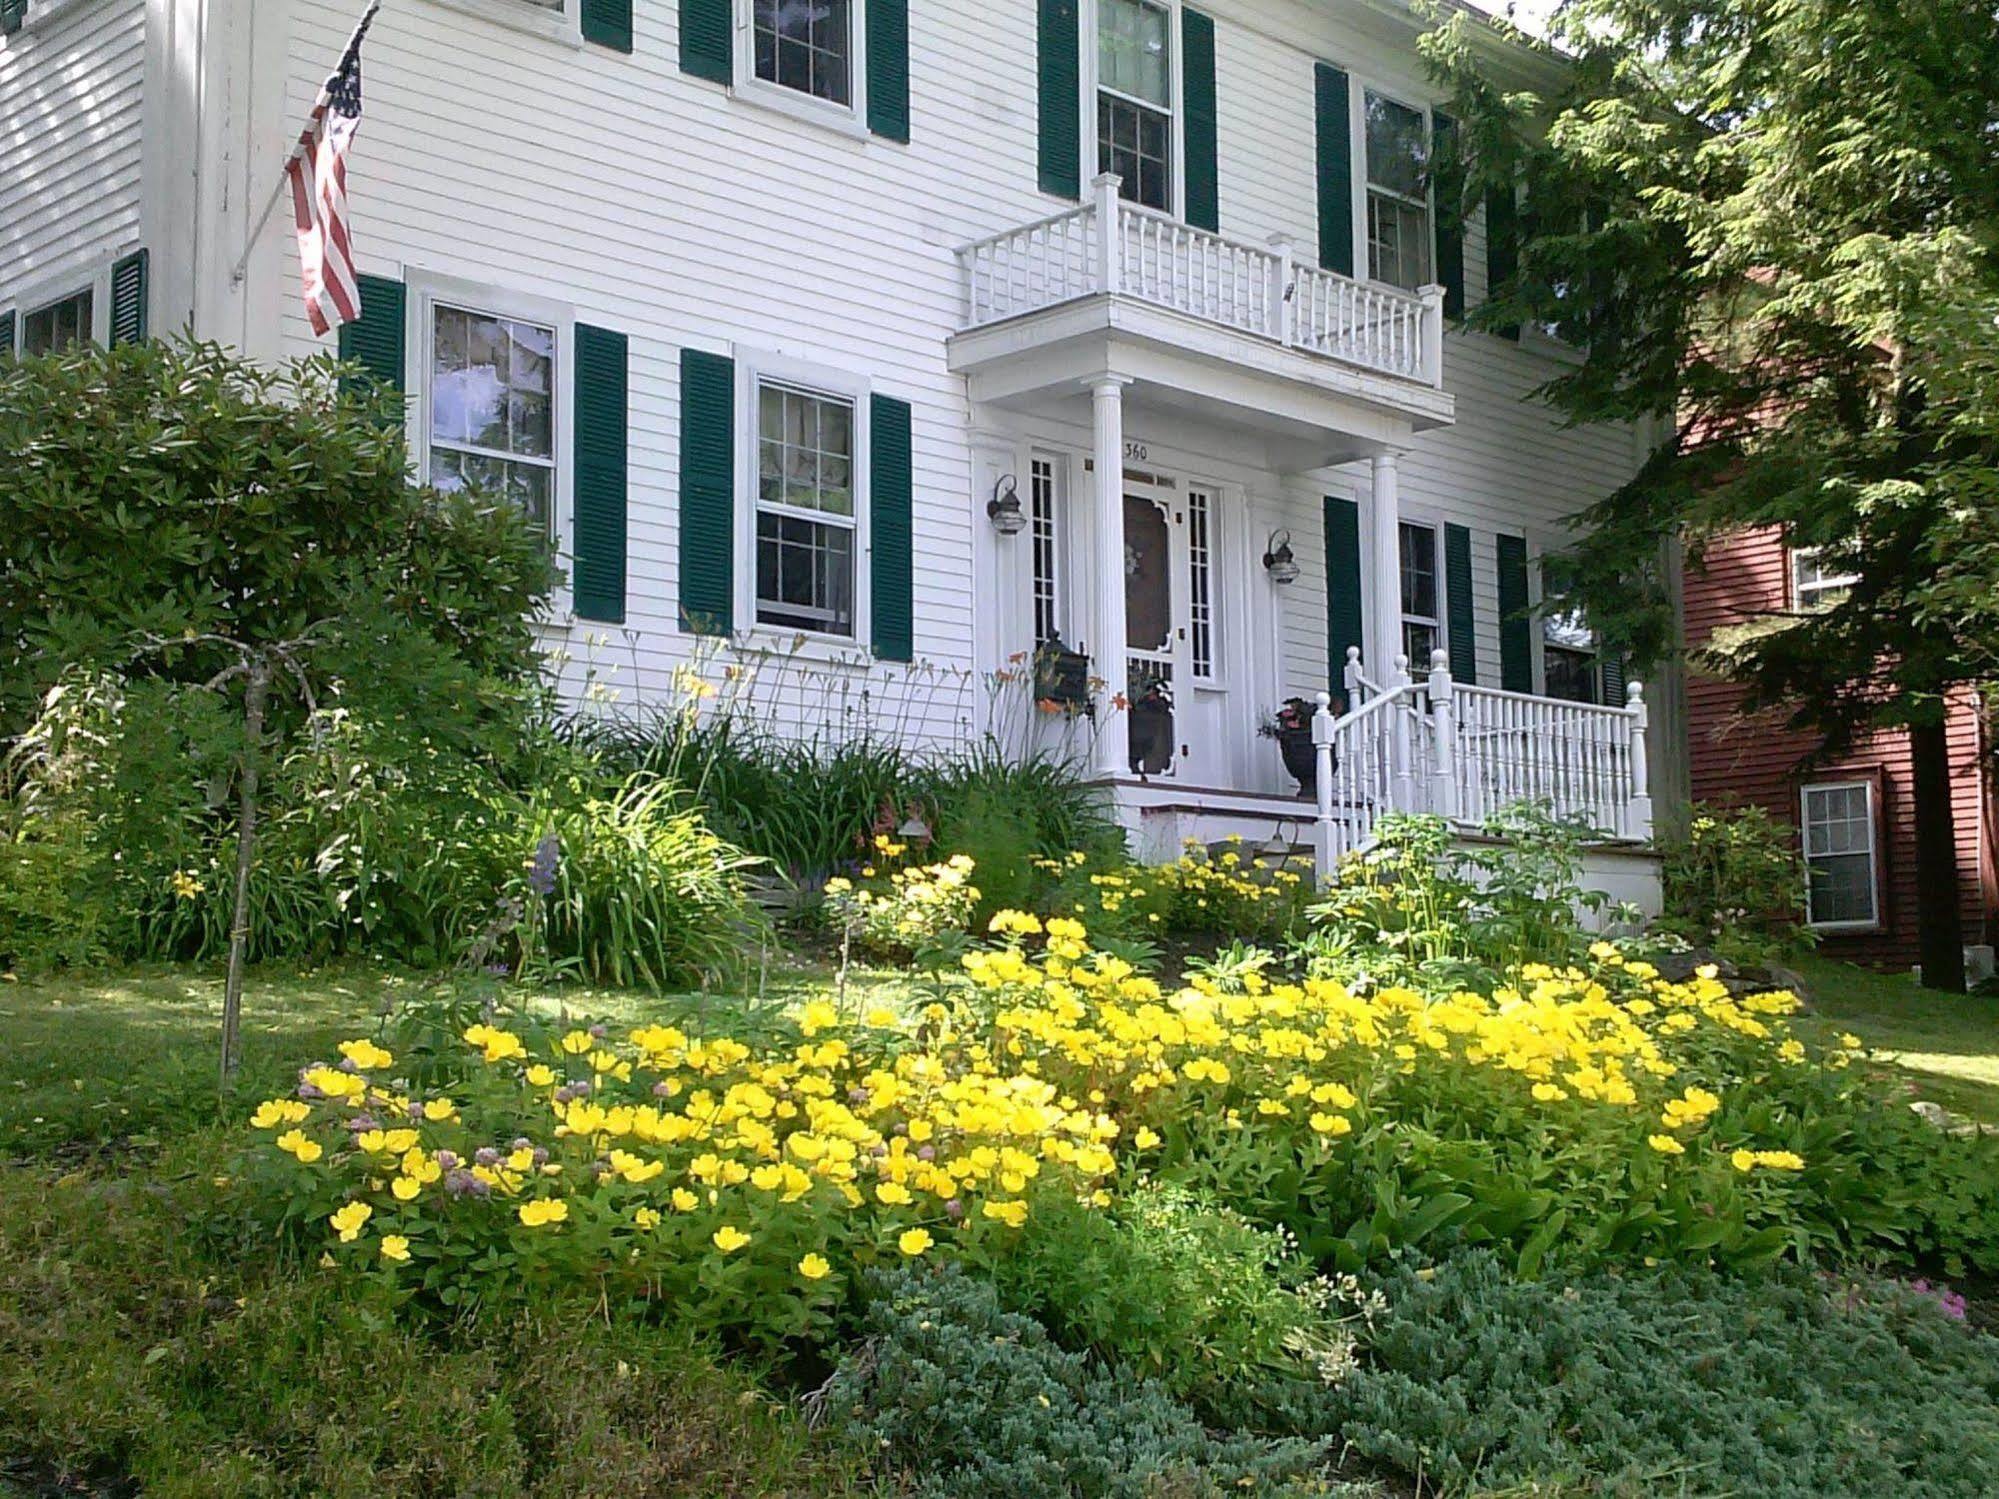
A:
[(1816, 582), (1398, 196), (807, 45), (1135, 99)]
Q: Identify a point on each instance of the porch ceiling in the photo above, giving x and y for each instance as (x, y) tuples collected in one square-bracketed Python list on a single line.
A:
[(1311, 411)]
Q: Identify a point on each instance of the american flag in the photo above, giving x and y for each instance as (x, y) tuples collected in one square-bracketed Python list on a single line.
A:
[(318, 173)]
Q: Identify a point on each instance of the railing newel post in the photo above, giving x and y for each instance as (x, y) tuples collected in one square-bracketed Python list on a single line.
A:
[(1443, 730), (1110, 233), (1401, 766), (1431, 339), (1322, 747), (1281, 299), (1638, 814)]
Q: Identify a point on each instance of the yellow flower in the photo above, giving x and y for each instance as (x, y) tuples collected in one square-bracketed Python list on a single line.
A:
[(276, 1111), (818, 1016), (349, 1219), (405, 1187), (1665, 1145), (1145, 1139), (395, 1248), (728, 1238), (646, 1218), (1012, 1214), (684, 1201), (366, 1055), (1332, 1124), (895, 1194), (185, 886), (1743, 1160), (301, 1145), (814, 1267), (1780, 1160), (439, 1109), (544, 1210), (913, 1241), (540, 1075), (1548, 1093)]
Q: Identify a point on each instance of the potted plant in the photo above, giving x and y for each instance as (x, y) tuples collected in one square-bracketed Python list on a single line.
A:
[(1291, 727)]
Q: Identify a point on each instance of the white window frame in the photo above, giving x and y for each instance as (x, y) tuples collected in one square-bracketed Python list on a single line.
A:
[(1798, 559), (1866, 786), (564, 25), (1052, 540), (1089, 41), (1214, 675), (753, 369), (425, 291), (1420, 669), (93, 276), (847, 119), (1363, 257)]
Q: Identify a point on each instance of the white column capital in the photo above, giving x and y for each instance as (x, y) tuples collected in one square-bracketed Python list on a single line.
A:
[(1107, 384)]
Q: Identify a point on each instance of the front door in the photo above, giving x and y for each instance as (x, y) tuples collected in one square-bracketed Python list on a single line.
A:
[(1155, 623)]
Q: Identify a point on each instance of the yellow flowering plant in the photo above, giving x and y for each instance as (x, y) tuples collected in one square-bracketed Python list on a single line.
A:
[(901, 912)]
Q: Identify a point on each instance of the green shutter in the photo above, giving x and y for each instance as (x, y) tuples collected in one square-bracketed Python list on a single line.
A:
[(608, 23), (1335, 133), (1447, 191), (1059, 84), (888, 68), (6, 333), (1462, 630), (1516, 635), (707, 492), (889, 526), (1502, 247), (1197, 90), (707, 40), (598, 442), (129, 285), (11, 12), (375, 339), (1343, 614)]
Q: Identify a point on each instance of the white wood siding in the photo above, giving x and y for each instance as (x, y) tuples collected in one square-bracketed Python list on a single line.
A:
[(71, 94), (656, 203)]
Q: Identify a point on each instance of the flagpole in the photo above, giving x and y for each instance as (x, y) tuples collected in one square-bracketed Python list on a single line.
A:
[(284, 178)]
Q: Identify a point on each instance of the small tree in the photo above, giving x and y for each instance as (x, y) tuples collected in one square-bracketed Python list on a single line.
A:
[(172, 511)]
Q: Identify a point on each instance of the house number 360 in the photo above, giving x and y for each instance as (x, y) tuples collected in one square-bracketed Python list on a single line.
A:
[(1138, 451)]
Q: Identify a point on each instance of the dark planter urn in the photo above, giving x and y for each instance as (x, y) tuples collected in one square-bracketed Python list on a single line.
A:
[(1301, 758)]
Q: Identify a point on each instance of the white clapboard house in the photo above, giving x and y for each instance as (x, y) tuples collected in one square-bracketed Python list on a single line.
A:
[(900, 353)]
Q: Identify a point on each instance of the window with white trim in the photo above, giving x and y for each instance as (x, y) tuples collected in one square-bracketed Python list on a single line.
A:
[(1816, 584), (1421, 633), (1201, 584), (61, 324), (1571, 659), (1396, 146), (1135, 99), (807, 45), (1840, 854), (806, 511), (490, 406), (1041, 535)]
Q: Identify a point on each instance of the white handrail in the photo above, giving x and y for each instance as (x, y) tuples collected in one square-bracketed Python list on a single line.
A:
[(1367, 762), (1152, 257)]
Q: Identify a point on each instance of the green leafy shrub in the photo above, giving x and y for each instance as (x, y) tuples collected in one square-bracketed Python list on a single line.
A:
[(1788, 1385), (1735, 881), (962, 1397), (1221, 1312)]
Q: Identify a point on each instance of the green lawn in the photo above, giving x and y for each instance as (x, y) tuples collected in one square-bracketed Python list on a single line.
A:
[(1946, 1044)]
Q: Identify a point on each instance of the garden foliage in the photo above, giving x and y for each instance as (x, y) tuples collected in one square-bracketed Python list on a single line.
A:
[(1735, 881)]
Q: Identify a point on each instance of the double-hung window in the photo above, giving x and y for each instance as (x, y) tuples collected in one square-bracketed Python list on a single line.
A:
[(1421, 634), (1840, 854), (1397, 147), (57, 325), (1569, 659), (490, 405), (1817, 583), (805, 45), (806, 509), (1135, 99)]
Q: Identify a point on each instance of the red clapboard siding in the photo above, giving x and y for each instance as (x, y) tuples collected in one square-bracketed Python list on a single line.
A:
[(1737, 761)]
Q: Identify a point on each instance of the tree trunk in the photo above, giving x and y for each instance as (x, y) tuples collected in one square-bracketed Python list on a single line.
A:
[(1939, 922), (256, 694)]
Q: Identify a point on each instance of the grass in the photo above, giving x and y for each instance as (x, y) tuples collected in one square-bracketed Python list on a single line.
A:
[(154, 1349), (1946, 1046)]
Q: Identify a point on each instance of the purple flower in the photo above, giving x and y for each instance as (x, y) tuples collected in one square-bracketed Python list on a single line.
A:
[(926, 1152), (448, 1159), (360, 1122), (486, 1155), (498, 970), (520, 1142), (541, 868), (309, 1092), (954, 1209), (599, 1032), (459, 1181)]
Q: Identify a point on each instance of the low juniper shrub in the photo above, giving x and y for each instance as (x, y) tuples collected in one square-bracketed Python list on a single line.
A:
[(960, 1396)]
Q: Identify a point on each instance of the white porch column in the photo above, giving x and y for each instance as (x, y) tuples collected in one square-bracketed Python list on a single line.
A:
[(1385, 596), (1107, 638)]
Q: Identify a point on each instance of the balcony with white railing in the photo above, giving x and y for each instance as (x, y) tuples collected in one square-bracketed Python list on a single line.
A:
[(1433, 744), (1113, 249)]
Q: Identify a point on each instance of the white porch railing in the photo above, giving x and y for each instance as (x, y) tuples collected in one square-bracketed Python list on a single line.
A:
[(1259, 290), (1464, 752)]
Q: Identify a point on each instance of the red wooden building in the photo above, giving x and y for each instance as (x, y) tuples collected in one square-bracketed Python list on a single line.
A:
[(1853, 813)]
